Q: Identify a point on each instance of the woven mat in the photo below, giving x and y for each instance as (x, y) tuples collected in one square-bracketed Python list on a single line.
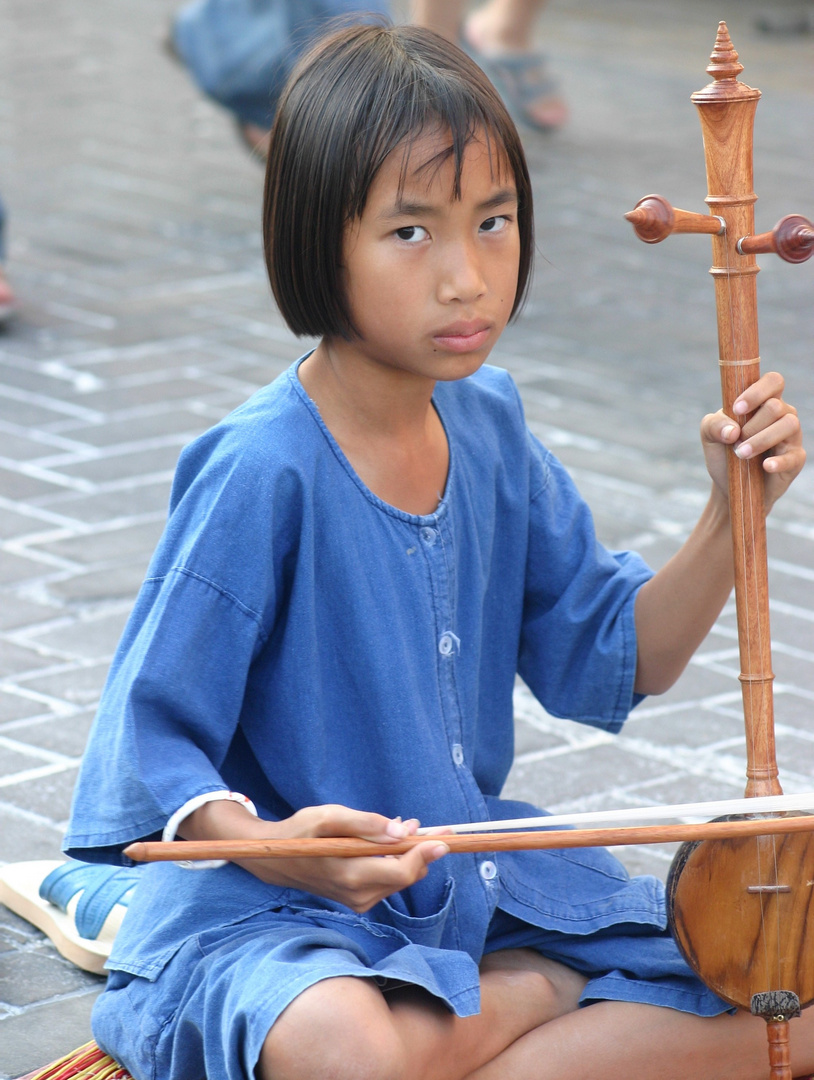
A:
[(86, 1063)]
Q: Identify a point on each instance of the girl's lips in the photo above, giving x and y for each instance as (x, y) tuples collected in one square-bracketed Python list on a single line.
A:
[(463, 339)]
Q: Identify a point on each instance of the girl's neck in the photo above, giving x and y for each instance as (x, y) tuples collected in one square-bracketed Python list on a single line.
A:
[(358, 396), (385, 423)]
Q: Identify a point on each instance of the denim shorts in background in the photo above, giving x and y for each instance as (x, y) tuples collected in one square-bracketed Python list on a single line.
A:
[(210, 1009), (240, 52)]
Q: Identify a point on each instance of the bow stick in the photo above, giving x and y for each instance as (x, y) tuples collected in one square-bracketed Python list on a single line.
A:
[(350, 847), (739, 911), (500, 835)]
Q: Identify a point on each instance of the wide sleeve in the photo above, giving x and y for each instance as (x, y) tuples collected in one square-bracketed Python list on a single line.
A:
[(578, 637), (173, 698)]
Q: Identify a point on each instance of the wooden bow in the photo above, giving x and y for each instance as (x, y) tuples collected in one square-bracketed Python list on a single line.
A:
[(740, 911)]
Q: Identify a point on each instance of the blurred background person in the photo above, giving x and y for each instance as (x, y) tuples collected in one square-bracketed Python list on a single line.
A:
[(499, 36), (7, 301), (240, 52)]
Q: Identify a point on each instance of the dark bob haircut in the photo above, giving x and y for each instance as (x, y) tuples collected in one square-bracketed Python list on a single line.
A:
[(355, 97)]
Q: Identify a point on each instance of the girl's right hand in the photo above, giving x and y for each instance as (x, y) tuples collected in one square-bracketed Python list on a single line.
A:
[(358, 883)]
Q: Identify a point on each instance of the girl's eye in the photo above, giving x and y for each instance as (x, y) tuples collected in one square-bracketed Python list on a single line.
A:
[(411, 234), (494, 224)]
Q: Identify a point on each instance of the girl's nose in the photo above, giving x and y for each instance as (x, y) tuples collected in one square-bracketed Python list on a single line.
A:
[(461, 276)]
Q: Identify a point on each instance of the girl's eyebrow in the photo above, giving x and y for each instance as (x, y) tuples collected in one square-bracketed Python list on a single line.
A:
[(410, 208), (505, 195)]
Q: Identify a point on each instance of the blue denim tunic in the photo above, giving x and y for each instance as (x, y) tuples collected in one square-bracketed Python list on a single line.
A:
[(301, 641)]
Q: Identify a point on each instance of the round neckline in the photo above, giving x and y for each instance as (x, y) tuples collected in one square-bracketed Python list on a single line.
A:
[(394, 511)]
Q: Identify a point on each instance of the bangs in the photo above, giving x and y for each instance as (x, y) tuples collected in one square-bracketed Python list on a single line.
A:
[(359, 96), (454, 150), (437, 103)]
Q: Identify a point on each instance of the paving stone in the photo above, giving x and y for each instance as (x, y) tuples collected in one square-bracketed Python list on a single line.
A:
[(133, 462), (15, 760), (159, 390), (13, 707), (105, 544), (17, 485), (152, 494), (25, 835), (48, 796), (16, 658), (91, 635), (112, 583), (78, 683), (16, 932), (18, 568), (68, 736), (14, 523), (145, 426), (35, 974), (527, 739), (794, 707), (694, 726), (19, 611), (45, 1032), (552, 782)]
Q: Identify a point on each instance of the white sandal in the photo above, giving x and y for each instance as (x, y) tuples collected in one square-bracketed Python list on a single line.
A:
[(78, 905)]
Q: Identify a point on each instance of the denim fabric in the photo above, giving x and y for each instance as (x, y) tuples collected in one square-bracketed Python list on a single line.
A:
[(209, 1011), (301, 641), (241, 52)]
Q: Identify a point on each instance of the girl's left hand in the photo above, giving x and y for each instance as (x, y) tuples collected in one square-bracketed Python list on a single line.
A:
[(773, 430)]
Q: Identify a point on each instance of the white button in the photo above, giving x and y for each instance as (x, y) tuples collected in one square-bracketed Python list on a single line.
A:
[(488, 870), (428, 535), (445, 644), (457, 753)]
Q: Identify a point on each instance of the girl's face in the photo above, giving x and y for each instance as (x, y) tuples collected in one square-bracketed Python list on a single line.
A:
[(431, 279)]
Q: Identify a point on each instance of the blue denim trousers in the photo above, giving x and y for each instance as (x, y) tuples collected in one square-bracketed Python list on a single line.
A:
[(240, 52)]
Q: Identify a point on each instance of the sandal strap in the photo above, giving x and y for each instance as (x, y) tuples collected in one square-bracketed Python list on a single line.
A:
[(102, 887), (525, 76), (524, 81)]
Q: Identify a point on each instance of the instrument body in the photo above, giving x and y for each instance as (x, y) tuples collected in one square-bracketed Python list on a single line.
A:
[(742, 912)]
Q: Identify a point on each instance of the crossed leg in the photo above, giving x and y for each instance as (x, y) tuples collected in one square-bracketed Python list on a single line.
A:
[(346, 1029), (529, 1028), (619, 1040)]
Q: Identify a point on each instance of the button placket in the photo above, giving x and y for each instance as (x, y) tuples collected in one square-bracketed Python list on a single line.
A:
[(437, 544)]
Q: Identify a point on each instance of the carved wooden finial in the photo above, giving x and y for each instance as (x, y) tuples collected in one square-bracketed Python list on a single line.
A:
[(723, 62), (724, 68)]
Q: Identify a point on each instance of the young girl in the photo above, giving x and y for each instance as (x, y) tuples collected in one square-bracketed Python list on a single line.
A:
[(357, 563)]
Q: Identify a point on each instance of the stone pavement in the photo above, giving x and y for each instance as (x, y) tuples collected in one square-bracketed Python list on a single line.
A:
[(134, 246)]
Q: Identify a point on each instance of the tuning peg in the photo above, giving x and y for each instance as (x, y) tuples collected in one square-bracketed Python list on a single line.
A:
[(654, 219), (792, 239)]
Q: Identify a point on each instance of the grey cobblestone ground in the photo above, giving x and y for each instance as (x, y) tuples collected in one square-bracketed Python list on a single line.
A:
[(145, 317)]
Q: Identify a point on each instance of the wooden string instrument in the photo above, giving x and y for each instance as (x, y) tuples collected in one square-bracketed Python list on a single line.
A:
[(740, 892), (742, 910)]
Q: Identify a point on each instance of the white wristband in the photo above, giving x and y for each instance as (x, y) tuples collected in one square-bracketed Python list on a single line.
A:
[(189, 807)]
